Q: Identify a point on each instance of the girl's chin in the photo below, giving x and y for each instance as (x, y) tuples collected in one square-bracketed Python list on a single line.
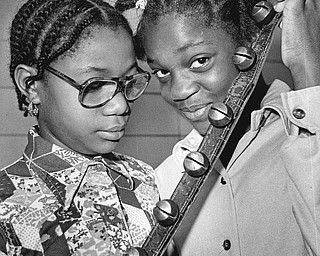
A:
[(201, 127), (100, 150)]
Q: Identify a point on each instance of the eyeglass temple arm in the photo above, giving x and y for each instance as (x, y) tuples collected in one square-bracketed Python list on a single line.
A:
[(64, 77)]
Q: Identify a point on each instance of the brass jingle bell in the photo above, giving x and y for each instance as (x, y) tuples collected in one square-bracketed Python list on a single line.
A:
[(196, 164), (220, 115), (136, 251), (263, 12), (244, 58), (166, 212)]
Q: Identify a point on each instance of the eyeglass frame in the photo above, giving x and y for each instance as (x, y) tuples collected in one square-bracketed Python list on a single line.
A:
[(119, 81)]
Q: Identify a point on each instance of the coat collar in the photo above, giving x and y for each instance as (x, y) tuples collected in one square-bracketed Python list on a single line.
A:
[(271, 103)]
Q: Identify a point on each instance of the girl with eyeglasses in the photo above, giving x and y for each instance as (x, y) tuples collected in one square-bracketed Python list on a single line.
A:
[(74, 69)]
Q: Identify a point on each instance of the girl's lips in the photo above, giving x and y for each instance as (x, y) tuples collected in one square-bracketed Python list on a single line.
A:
[(198, 114), (111, 135)]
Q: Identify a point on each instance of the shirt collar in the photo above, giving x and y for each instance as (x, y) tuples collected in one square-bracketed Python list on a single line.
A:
[(63, 170)]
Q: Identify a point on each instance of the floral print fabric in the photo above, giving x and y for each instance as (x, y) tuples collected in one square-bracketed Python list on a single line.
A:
[(56, 202)]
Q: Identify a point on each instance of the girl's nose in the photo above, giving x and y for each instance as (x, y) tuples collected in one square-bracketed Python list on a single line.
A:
[(118, 105), (182, 87)]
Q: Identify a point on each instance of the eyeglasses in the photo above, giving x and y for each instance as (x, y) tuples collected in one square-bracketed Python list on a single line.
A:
[(97, 91)]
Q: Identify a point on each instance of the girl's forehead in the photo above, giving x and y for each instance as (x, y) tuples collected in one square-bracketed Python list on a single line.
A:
[(187, 24), (93, 32), (168, 45), (182, 31), (102, 39), (104, 49)]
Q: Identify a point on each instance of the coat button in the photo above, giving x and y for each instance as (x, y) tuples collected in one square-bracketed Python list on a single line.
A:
[(223, 181), (226, 244), (298, 113)]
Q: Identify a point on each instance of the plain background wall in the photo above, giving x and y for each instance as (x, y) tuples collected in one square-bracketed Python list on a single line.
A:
[(154, 126)]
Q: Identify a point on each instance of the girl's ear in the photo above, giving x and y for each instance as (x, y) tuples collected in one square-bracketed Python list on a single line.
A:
[(27, 86)]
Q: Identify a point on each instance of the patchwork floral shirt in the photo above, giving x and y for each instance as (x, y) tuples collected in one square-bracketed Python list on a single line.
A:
[(56, 202)]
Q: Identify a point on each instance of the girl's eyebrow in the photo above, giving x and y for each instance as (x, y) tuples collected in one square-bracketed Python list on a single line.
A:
[(90, 69), (190, 45), (149, 60), (184, 48)]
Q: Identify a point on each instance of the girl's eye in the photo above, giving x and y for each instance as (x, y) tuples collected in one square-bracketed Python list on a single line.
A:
[(199, 63), (161, 73)]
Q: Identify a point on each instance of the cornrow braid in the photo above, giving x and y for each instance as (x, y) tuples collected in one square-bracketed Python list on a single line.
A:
[(48, 45), (233, 16), (19, 24), (123, 5), (19, 47), (44, 30)]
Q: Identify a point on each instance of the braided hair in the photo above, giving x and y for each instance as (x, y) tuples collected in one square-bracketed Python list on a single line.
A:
[(233, 16), (44, 30), (123, 5)]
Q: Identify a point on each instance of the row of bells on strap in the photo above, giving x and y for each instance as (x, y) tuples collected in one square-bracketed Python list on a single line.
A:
[(197, 164)]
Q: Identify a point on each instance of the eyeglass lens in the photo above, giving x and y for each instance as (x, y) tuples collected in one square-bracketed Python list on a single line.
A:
[(135, 87), (101, 91)]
